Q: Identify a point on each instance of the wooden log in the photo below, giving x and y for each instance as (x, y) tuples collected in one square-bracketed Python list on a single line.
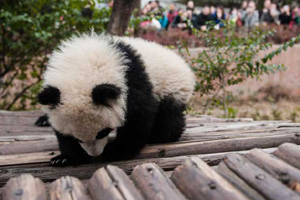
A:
[(192, 137), (101, 186), (24, 187), (112, 183), (196, 180), (257, 178), (67, 188), (168, 150), (47, 173), (193, 148), (277, 168), (124, 184), (290, 153), (27, 158), (28, 147), (237, 182), (153, 183)]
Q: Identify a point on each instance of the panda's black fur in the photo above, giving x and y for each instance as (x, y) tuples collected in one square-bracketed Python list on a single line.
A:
[(147, 119)]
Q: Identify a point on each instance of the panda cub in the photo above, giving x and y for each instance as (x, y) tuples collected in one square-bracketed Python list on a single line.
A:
[(95, 84)]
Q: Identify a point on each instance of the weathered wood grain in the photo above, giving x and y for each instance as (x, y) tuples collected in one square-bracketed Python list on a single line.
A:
[(196, 180), (112, 184), (168, 150), (102, 187), (47, 173), (154, 184), (257, 178), (67, 188), (24, 187), (124, 184), (28, 147), (27, 158), (193, 148), (277, 168), (290, 153), (237, 182)]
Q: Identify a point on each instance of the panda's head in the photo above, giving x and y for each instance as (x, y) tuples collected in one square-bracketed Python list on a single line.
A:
[(84, 91)]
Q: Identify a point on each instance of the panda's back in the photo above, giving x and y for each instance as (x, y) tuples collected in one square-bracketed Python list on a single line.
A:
[(168, 72)]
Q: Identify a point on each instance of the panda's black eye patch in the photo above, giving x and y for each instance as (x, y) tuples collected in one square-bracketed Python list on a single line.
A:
[(49, 96), (103, 133), (103, 93)]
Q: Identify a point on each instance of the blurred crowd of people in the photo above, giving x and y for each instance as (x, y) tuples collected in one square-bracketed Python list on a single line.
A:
[(245, 16)]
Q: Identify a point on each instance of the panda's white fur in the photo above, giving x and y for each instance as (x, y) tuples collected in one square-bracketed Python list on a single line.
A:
[(168, 72), (85, 61)]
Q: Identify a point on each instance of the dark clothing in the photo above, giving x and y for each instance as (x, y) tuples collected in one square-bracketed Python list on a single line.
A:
[(202, 19), (284, 18), (266, 17), (218, 20)]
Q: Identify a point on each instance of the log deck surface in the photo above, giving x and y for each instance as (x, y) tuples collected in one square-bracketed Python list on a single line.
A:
[(213, 160)]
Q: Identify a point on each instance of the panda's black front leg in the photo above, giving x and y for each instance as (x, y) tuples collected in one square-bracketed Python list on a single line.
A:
[(135, 133), (124, 148), (42, 121), (71, 152)]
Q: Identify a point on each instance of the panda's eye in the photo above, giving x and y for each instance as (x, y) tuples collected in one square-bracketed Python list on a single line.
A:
[(103, 133)]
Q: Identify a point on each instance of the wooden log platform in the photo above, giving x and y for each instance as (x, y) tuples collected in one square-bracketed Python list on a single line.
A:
[(215, 159)]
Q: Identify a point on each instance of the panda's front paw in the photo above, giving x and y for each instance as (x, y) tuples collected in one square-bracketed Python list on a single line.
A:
[(62, 161), (42, 121)]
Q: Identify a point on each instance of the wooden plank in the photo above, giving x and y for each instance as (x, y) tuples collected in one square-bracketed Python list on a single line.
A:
[(47, 173), (290, 153), (277, 168), (196, 180), (167, 150), (24, 187), (153, 183), (124, 184), (232, 135), (102, 187), (257, 178), (27, 158), (67, 188), (21, 113), (193, 148), (237, 182), (28, 147)]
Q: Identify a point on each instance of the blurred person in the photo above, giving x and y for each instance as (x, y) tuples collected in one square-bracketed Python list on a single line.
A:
[(295, 17), (242, 11), (251, 17), (285, 16), (154, 5), (146, 9), (212, 10), (182, 21), (233, 15), (204, 17), (274, 12), (218, 16), (171, 14), (265, 16), (190, 6)]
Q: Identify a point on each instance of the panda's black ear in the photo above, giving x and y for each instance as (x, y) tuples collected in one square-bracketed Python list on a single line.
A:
[(49, 96), (102, 94)]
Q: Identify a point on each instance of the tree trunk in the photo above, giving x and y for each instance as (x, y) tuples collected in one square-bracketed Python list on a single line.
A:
[(120, 16)]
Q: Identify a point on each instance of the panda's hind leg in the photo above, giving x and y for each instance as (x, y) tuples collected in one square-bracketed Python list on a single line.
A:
[(169, 122)]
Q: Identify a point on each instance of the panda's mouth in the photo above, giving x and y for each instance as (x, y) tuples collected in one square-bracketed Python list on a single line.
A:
[(95, 147)]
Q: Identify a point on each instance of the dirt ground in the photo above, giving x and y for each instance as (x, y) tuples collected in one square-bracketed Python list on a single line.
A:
[(258, 110)]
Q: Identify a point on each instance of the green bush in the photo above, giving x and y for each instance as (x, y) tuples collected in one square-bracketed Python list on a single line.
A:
[(29, 31), (230, 60)]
